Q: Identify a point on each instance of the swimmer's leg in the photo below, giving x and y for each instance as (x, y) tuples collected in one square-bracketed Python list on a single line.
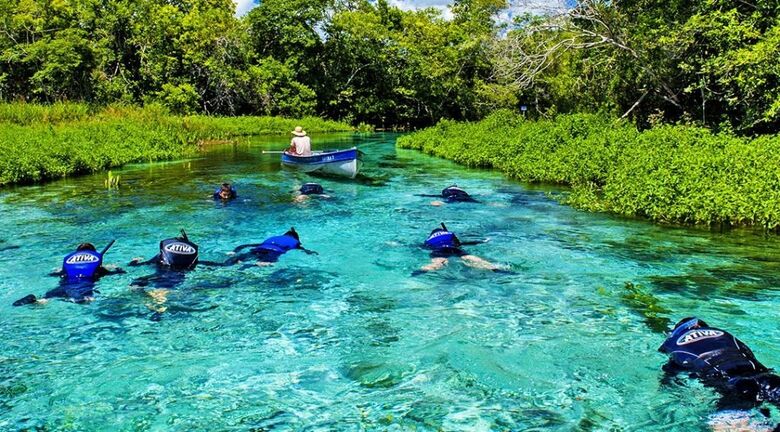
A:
[(159, 297), (476, 262), (437, 263)]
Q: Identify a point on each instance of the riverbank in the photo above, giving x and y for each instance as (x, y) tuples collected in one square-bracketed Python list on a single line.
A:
[(674, 174), (47, 142)]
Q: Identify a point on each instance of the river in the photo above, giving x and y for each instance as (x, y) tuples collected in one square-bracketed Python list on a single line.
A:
[(349, 339)]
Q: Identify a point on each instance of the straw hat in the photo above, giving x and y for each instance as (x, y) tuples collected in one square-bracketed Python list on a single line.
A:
[(299, 131)]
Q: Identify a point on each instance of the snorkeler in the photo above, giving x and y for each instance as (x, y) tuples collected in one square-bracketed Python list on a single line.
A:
[(721, 361), (445, 244), (225, 192), (451, 194), (80, 270), (310, 189), (177, 256), (270, 250)]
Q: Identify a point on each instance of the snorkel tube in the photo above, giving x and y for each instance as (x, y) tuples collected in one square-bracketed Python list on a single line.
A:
[(108, 246)]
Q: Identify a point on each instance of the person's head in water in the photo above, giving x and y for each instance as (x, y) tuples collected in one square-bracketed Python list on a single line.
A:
[(292, 233), (454, 193), (311, 189), (226, 192), (86, 247), (687, 323)]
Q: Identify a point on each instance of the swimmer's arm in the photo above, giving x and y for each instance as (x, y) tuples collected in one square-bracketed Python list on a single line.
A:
[(136, 262), (105, 271), (57, 273), (670, 371), (244, 246), (213, 263), (473, 242), (308, 251)]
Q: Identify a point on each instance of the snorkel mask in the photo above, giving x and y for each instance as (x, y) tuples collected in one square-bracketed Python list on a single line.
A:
[(685, 325)]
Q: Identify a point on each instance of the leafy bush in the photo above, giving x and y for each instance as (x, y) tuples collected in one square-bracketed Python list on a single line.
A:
[(677, 174), (46, 142)]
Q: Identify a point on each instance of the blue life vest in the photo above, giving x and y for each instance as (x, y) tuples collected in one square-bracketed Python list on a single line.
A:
[(279, 244), (81, 265), (233, 193), (441, 239), (311, 189), (178, 253)]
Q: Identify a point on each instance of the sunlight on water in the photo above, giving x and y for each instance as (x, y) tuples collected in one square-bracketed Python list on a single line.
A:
[(348, 339)]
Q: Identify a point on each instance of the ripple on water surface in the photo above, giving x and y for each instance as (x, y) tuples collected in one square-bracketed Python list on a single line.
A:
[(564, 339)]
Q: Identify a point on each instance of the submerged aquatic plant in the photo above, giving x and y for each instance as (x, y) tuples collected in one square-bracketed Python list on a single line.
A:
[(112, 181), (647, 305)]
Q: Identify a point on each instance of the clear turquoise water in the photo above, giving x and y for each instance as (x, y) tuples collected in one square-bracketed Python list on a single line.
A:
[(347, 340)]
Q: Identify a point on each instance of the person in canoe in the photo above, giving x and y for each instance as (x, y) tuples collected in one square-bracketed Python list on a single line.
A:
[(451, 194), (80, 270), (720, 361), (177, 256), (444, 244), (300, 145), (270, 250), (225, 192)]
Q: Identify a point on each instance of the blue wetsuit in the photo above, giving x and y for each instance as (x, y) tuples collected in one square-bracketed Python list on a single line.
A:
[(444, 243), (720, 360), (270, 249)]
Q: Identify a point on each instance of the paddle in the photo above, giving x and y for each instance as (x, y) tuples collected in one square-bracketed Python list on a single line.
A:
[(274, 151)]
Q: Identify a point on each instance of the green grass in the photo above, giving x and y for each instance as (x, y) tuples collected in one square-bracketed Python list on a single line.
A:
[(675, 174), (47, 142)]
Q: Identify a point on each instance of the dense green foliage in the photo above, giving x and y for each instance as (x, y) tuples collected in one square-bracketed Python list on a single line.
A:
[(668, 173), (716, 62), (361, 61), (46, 142)]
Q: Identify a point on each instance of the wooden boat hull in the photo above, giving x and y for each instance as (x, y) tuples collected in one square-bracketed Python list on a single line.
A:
[(342, 163)]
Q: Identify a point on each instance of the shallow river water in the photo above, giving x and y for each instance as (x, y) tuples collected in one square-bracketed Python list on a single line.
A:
[(348, 339)]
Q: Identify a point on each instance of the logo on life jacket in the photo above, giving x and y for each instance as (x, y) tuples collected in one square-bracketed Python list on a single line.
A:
[(180, 248), (83, 258), (438, 234), (697, 335)]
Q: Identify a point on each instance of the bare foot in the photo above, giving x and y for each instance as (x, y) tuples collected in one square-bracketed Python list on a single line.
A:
[(437, 203)]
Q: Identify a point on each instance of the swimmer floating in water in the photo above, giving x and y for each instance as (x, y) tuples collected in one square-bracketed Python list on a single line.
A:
[(720, 361), (226, 192), (309, 189), (451, 194), (177, 256), (80, 270), (270, 250), (445, 244)]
